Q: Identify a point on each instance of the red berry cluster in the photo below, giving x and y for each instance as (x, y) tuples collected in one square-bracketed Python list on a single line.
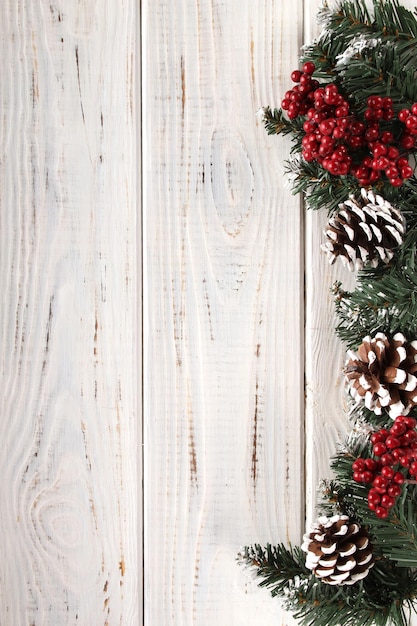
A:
[(333, 133), (384, 156), (394, 450), (297, 101)]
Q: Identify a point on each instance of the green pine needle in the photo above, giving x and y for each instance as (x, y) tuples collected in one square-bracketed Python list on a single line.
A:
[(381, 598)]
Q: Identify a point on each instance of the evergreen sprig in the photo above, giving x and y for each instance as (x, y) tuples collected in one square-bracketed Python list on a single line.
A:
[(382, 598), (364, 55)]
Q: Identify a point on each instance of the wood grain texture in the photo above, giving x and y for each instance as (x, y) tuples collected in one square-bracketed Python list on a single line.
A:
[(224, 366), (327, 421), (68, 279)]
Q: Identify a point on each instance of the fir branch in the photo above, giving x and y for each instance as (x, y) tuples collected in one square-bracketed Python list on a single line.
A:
[(276, 123), (377, 600), (278, 566), (382, 302)]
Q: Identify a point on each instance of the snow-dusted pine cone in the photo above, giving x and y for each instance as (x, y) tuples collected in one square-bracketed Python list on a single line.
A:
[(338, 551), (383, 374), (364, 231)]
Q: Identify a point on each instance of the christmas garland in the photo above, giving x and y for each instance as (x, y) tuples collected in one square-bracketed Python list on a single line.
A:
[(352, 116)]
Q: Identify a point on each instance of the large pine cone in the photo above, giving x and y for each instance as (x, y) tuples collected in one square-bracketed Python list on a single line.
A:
[(364, 231), (338, 551), (383, 374)]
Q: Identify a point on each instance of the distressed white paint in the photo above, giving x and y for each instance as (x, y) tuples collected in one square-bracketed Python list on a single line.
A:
[(224, 333), (232, 450), (68, 280)]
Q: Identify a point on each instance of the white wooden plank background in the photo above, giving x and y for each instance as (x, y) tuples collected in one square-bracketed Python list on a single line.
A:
[(242, 402), (224, 332), (68, 280)]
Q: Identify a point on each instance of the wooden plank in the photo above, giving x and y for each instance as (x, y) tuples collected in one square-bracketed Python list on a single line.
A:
[(224, 402), (68, 494), (326, 411), (327, 422)]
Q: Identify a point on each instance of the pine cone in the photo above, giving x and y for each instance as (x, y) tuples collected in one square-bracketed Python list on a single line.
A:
[(383, 374), (364, 231), (338, 551)]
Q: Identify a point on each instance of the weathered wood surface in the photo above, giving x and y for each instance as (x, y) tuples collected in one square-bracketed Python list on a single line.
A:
[(68, 281), (243, 403), (224, 318), (236, 439)]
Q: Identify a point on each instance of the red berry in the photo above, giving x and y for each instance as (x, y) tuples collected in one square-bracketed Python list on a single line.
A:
[(388, 472), (392, 171), (382, 163), (380, 483), (393, 153), (411, 122), (309, 67), (377, 437), (398, 428), (296, 75), (392, 442), (367, 476), (358, 465), (381, 512), (387, 459), (407, 141), (327, 126), (405, 461), (293, 110), (371, 465), (342, 111), (410, 422), (379, 149), (296, 96), (343, 122), (387, 103), (413, 468), (398, 478), (387, 501), (338, 133), (387, 137), (398, 453), (355, 141), (407, 171), (374, 497), (379, 448), (394, 491), (309, 126), (403, 115), (409, 437), (375, 102), (372, 134), (343, 169)]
